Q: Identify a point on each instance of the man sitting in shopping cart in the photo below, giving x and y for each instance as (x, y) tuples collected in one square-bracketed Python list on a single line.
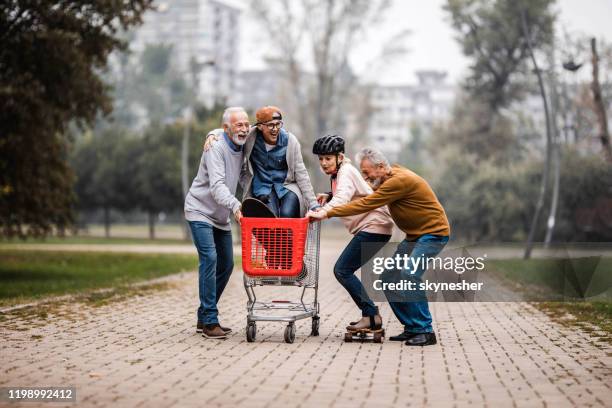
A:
[(208, 206), (415, 209), (273, 170)]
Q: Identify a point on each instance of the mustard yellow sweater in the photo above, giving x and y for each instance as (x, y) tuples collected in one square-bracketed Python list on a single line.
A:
[(413, 205)]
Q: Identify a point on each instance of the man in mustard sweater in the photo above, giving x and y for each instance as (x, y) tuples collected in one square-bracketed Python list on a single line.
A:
[(415, 209)]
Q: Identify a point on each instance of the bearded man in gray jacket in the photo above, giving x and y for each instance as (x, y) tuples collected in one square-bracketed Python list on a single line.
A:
[(273, 169), (208, 206)]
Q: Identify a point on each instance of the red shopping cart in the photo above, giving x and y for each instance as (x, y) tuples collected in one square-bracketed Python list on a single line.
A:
[(280, 252)]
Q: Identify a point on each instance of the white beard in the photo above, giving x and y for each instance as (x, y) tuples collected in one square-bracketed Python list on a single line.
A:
[(238, 141)]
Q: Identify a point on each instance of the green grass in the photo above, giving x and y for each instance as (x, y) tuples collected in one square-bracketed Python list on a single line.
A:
[(71, 240), (582, 314), (579, 290), (586, 278), (28, 275)]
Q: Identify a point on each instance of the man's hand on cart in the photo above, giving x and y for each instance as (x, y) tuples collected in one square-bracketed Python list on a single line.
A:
[(238, 216), (322, 198), (317, 214)]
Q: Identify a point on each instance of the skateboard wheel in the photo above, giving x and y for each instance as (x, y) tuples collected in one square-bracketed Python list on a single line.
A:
[(348, 337), (377, 338)]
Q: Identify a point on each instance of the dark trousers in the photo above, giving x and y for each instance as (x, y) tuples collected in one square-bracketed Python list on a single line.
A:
[(354, 256), (280, 246), (286, 207)]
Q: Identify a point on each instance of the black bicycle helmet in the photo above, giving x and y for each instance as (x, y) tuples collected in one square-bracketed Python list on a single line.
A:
[(330, 144)]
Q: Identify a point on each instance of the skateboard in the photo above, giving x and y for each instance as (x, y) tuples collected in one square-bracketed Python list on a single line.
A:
[(375, 336), (252, 207)]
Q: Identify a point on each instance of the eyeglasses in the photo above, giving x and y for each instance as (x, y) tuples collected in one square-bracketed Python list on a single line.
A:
[(275, 125)]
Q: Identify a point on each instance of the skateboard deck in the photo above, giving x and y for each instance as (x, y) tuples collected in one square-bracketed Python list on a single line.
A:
[(375, 336), (252, 207)]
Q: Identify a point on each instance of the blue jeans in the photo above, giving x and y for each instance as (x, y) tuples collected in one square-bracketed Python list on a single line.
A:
[(286, 207), (352, 258), (414, 312), (216, 255)]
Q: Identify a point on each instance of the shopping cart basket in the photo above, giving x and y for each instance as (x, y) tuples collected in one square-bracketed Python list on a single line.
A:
[(280, 252)]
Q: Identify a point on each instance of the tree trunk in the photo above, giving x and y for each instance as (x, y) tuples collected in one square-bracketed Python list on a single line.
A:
[(545, 175), (600, 108), (552, 215), (151, 225), (107, 222), (185, 163)]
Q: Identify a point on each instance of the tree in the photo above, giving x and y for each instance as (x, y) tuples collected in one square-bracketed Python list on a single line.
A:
[(412, 149), (159, 175), (104, 162), (492, 35), (507, 196), (600, 107), (50, 63), (326, 32), (160, 88), (502, 36), (550, 135)]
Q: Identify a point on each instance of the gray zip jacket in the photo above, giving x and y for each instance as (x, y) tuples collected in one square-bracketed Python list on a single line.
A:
[(211, 198), (297, 180)]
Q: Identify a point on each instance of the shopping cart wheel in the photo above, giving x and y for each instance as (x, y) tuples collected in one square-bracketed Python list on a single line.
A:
[(290, 333), (315, 326), (378, 337), (251, 332)]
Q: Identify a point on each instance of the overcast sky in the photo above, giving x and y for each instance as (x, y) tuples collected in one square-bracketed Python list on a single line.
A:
[(432, 43)]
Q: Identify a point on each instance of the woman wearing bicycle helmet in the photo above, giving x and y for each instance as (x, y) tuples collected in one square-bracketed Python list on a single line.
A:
[(374, 227)]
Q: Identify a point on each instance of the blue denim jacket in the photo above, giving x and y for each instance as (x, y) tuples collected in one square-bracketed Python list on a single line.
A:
[(270, 167)]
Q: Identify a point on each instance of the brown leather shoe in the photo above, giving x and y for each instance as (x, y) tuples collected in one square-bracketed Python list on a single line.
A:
[(213, 331), (200, 328)]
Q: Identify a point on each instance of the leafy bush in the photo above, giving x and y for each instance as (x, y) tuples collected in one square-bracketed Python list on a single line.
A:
[(486, 202)]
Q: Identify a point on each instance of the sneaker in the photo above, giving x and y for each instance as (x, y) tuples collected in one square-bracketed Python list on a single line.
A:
[(213, 331), (422, 339), (367, 322)]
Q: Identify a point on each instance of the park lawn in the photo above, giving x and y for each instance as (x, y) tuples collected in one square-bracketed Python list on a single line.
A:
[(551, 278), (72, 240), (29, 275), (559, 279), (581, 314)]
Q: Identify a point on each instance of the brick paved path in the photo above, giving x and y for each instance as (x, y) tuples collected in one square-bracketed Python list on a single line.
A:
[(144, 352)]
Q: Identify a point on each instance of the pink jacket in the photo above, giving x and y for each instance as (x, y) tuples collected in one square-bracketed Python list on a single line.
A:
[(350, 186)]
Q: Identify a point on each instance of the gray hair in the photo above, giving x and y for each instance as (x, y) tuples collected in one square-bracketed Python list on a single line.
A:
[(373, 155), (227, 113)]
